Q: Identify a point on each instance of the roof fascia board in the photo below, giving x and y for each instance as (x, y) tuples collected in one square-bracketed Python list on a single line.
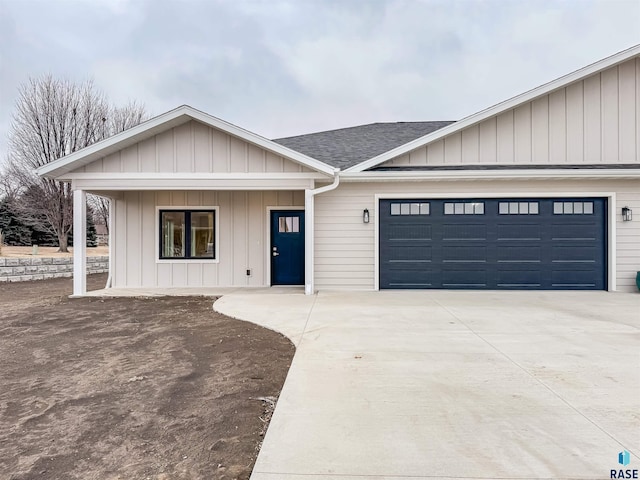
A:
[(559, 174), (111, 184), (192, 175), (163, 122), (500, 107)]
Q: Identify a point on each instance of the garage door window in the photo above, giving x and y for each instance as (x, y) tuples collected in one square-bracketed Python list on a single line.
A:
[(518, 208), (421, 208), (573, 208), (464, 208)]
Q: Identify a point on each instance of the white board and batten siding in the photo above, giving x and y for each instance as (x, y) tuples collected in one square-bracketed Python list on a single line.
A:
[(242, 236), (193, 148), (241, 215), (592, 121), (345, 246)]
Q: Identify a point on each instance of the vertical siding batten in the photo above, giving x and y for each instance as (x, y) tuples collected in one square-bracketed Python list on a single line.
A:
[(627, 111), (193, 146), (610, 115), (418, 156), (453, 148), (540, 130), (557, 127), (470, 144), (488, 140), (522, 133), (147, 155), (575, 123), (155, 144), (592, 119), (435, 152), (228, 142), (210, 140), (505, 137)]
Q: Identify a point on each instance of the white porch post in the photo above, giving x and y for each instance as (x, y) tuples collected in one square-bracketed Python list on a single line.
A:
[(79, 243), (308, 242), (111, 238)]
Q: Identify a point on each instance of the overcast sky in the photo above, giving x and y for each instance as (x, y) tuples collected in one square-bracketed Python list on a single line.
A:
[(282, 68)]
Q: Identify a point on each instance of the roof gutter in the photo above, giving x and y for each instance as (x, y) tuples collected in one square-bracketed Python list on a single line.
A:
[(309, 242), (327, 188), (524, 174)]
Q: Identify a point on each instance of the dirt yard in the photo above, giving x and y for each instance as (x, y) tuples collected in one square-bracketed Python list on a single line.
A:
[(161, 388)]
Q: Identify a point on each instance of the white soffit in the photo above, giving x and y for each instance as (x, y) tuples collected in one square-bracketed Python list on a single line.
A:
[(165, 122), (500, 107)]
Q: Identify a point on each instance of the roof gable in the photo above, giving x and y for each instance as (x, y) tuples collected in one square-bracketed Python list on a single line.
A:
[(191, 148), (165, 122), (498, 109)]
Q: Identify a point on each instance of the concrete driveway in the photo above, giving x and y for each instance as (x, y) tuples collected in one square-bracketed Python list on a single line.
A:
[(447, 384)]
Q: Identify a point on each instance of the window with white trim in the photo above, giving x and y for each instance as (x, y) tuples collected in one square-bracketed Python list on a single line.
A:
[(187, 234)]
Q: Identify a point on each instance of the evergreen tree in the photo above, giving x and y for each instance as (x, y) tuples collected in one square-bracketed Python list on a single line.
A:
[(92, 235), (14, 231)]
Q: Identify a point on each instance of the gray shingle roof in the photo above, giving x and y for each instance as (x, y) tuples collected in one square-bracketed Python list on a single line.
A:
[(346, 147)]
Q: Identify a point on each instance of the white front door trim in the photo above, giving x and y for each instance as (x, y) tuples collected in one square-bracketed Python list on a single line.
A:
[(267, 241)]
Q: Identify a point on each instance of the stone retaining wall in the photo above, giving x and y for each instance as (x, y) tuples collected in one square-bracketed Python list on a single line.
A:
[(39, 268)]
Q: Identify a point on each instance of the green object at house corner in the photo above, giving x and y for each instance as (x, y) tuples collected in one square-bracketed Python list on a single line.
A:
[(638, 280)]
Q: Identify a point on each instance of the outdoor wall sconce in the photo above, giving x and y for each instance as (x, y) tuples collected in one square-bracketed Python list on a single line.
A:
[(365, 215), (627, 214)]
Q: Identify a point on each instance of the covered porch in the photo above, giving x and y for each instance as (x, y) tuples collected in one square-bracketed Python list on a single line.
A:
[(152, 238), (192, 204)]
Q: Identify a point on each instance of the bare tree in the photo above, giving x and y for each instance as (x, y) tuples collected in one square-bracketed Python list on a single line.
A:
[(54, 118), (8, 189), (100, 207)]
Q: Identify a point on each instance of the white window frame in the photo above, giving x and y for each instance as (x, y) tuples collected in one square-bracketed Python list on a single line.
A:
[(216, 226)]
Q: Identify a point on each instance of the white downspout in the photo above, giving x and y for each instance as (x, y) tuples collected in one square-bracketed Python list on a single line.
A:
[(309, 221), (111, 210)]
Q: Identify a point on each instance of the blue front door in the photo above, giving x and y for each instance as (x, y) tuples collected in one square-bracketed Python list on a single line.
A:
[(287, 247)]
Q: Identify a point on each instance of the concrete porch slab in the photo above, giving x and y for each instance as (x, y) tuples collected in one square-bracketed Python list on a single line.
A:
[(192, 291)]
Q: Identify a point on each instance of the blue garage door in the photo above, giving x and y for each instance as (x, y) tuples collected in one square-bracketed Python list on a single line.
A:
[(520, 244)]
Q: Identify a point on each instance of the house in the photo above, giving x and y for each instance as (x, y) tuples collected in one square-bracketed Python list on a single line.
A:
[(537, 192)]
